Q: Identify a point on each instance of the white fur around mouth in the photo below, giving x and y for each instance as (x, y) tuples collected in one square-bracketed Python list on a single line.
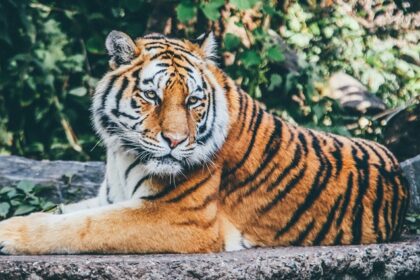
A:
[(163, 166)]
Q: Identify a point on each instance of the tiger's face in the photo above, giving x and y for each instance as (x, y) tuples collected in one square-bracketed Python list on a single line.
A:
[(162, 102)]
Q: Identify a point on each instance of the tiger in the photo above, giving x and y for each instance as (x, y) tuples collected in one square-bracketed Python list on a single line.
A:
[(195, 165)]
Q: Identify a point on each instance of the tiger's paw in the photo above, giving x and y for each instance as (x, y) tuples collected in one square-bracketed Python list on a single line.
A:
[(22, 235)]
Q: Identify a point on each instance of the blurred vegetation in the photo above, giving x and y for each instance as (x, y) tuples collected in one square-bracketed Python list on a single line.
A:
[(52, 55), (23, 199)]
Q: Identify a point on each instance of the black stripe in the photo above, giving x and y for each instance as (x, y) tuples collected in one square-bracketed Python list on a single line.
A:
[(303, 234), (337, 240), (292, 137), (256, 186), (117, 114), (244, 120), (173, 43), (189, 190), (157, 37), (186, 68), (136, 75), (108, 90), (282, 193), (377, 206), (240, 102), (204, 138), (107, 123), (386, 220), (203, 127), (166, 65), (338, 157), (139, 183), (108, 199), (210, 198), (373, 149), (136, 162), (165, 191), (346, 201), (154, 47), (166, 52), (388, 153), (302, 140), (327, 225), (362, 165), (394, 207), (276, 134), (254, 112), (269, 153), (250, 146), (294, 163), (186, 52), (316, 188)]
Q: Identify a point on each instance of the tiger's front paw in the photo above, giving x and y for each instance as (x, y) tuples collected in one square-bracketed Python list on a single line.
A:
[(23, 235)]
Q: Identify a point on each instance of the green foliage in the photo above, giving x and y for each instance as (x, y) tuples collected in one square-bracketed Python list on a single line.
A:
[(23, 199), (412, 223), (53, 55)]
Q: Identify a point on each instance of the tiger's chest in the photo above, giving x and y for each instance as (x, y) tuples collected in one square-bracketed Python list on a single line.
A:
[(126, 179)]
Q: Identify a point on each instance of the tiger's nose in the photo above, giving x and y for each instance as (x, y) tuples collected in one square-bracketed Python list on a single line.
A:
[(173, 139)]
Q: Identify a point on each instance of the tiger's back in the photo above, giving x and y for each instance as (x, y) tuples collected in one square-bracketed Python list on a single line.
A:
[(287, 185)]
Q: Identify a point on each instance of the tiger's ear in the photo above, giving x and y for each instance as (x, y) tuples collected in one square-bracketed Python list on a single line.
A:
[(208, 45), (121, 48)]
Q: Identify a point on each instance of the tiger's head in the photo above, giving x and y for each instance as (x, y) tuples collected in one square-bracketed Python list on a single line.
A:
[(163, 101)]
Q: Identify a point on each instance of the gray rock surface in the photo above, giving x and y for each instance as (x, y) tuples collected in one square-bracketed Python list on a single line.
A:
[(352, 95), (411, 169), (69, 180), (385, 261)]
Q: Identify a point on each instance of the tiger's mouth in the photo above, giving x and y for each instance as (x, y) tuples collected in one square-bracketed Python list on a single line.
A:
[(167, 159)]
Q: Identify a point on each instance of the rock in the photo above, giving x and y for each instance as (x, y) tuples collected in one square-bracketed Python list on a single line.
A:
[(352, 95), (411, 169), (402, 131), (69, 180), (385, 261)]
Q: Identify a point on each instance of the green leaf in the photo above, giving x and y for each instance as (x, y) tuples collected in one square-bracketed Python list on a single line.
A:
[(6, 190), (275, 81), (12, 193), (4, 209), (79, 91), (211, 9), (186, 11), (231, 41), (251, 58), (48, 206), (23, 209), (275, 54), (95, 45), (26, 186), (243, 4), (301, 40)]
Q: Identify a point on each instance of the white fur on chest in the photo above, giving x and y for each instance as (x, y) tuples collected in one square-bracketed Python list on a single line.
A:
[(125, 180)]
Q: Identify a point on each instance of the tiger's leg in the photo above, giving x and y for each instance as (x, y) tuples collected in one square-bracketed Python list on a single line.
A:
[(127, 227)]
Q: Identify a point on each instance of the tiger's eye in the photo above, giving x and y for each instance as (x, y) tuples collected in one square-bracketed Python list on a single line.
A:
[(150, 94), (192, 100)]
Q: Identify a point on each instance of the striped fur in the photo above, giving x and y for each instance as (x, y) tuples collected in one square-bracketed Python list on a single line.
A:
[(241, 177)]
